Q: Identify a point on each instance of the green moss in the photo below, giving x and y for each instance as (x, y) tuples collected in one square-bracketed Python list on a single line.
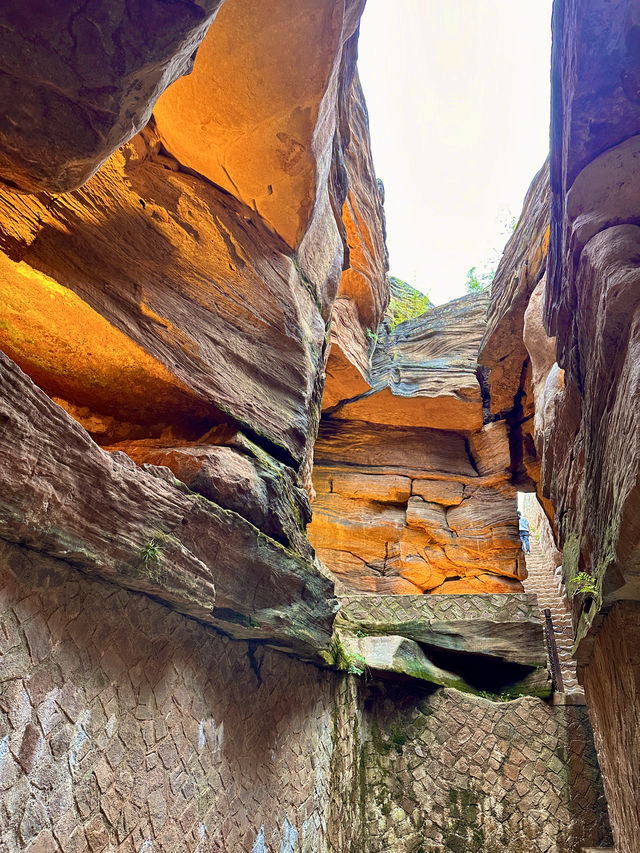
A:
[(464, 833), (381, 746), (398, 738), (336, 655)]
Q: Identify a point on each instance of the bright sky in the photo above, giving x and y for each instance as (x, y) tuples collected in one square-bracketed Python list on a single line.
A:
[(458, 97)]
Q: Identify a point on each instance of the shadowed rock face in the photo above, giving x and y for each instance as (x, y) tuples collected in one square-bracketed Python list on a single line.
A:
[(75, 86), (575, 389), (592, 302), (471, 642), (516, 352), (420, 508), (64, 496), (593, 307)]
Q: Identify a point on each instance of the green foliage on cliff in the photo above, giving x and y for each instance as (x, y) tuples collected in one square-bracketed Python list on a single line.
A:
[(583, 583), (406, 302), (336, 655), (478, 281), (150, 552)]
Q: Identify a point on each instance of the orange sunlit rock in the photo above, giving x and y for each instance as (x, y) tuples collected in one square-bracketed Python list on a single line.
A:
[(76, 354), (247, 114), (364, 283), (407, 506), (462, 410), (190, 276), (411, 488)]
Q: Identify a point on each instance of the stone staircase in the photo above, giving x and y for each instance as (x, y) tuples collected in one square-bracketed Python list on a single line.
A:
[(543, 582)]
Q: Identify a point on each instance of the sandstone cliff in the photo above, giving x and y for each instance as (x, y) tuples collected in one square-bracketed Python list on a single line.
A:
[(592, 307), (183, 258), (563, 364), (173, 309), (413, 492)]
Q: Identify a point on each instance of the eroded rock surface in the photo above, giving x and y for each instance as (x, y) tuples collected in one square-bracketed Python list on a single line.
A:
[(581, 449), (177, 309), (592, 303), (421, 508), (74, 87), (67, 498), (255, 114), (520, 269)]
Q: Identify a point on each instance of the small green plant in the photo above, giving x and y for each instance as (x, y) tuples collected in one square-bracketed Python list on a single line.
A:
[(478, 281), (336, 655), (584, 584), (357, 664), (150, 552)]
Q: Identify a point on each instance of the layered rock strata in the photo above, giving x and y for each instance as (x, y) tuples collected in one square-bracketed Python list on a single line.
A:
[(592, 307), (422, 508), (174, 308)]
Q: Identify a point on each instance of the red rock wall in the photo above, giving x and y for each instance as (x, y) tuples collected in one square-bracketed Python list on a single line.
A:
[(176, 304), (413, 492), (581, 446), (592, 305), (612, 687)]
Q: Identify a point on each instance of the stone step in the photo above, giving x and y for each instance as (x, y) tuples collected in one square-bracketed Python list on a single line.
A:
[(598, 850)]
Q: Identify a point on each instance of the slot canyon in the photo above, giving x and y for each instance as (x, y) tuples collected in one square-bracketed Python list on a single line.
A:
[(262, 586)]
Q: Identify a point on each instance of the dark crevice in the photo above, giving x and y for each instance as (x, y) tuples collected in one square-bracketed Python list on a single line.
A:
[(482, 672)]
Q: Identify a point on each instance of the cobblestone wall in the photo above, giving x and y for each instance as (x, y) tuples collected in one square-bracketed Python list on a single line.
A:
[(124, 726), (462, 774), (127, 727)]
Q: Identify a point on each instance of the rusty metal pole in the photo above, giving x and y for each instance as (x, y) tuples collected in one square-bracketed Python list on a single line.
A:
[(552, 649)]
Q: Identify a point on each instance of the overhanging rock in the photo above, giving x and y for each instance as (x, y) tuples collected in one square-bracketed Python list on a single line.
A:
[(504, 627), (478, 643)]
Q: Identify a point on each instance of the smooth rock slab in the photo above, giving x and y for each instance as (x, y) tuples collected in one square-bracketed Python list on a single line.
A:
[(63, 496), (399, 656)]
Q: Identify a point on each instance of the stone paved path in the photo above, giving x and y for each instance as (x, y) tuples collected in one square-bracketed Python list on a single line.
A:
[(542, 582)]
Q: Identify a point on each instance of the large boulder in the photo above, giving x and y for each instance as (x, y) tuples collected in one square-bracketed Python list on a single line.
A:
[(489, 643), (65, 497)]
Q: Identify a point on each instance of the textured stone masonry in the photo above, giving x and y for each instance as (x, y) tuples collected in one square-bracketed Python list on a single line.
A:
[(127, 727), (454, 774)]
